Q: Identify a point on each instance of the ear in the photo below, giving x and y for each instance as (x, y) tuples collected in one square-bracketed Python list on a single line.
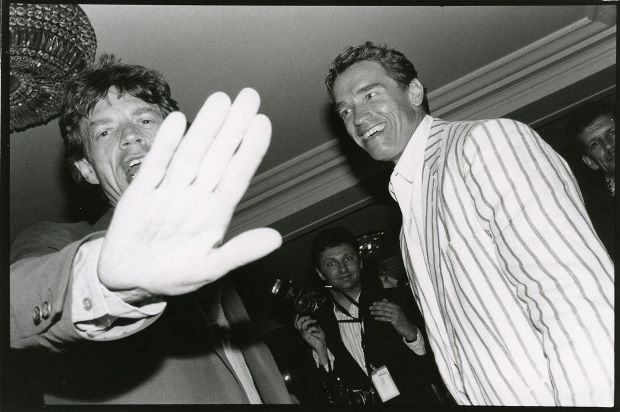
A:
[(589, 162), (87, 171), (318, 272), (416, 93)]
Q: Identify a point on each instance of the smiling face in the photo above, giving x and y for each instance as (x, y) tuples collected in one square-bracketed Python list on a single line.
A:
[(378, 113), (599, 143), (341, 266), (118, 133)]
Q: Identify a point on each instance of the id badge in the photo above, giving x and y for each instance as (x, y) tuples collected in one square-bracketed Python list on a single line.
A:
[(384, 384)]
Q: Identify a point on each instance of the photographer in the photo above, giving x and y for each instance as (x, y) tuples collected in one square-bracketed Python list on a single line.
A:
[(366, 341)]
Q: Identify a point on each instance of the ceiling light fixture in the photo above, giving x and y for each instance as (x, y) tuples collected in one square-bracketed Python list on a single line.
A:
[(49, 44)]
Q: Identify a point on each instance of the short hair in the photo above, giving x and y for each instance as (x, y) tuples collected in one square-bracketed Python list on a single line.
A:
[(332, 237), (84, 91), (396, 65), (585, 115)]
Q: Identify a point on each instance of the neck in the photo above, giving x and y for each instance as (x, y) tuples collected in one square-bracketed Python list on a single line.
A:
[(419, 116), (341, 299)]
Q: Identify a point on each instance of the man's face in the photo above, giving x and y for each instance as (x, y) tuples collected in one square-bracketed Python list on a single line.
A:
[(377, 112), (119, 132), (340, 266), (599, 143)]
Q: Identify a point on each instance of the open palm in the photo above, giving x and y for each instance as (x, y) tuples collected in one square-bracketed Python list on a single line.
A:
[(166, 233)]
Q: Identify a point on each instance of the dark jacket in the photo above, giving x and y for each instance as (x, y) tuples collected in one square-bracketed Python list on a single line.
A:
[(411, 373), (178, 358)]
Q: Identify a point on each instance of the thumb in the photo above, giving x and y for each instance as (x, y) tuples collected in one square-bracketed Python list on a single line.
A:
[(243, 249)]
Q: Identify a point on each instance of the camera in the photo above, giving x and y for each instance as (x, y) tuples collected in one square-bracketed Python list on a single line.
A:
[(339, 394), (304, 302)]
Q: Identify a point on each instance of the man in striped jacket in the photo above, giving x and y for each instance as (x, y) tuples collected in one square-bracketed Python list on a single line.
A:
[(514, 285)]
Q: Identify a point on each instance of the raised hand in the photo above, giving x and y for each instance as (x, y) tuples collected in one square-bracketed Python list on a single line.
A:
[(313, 334), (166, 233), (386, 311)]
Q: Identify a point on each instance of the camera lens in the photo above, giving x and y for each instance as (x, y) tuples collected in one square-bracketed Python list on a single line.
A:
[(304, 305)]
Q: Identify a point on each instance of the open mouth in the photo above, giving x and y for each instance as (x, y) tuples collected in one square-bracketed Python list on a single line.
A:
[(133, 168), (373, 132)]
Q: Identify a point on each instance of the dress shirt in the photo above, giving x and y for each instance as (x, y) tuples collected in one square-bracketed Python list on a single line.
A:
[(351, 334), (514, 286), (93, 307)]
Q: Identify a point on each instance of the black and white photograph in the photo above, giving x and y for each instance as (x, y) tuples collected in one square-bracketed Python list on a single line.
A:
[(311, 205)]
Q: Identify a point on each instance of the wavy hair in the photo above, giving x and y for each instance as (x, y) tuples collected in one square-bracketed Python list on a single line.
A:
[(396, 65), (90, 86)]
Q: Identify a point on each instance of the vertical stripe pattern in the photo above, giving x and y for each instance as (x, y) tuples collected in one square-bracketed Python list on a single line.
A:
[(514, 285), (351, 333)]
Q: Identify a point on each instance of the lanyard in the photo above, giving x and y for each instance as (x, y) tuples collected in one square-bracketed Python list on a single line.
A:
[(369, 366), (346, 312)]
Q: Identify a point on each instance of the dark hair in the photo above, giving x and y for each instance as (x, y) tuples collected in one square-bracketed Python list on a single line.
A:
[(397, 66), (332, 237), (84, 91), (585, 115)]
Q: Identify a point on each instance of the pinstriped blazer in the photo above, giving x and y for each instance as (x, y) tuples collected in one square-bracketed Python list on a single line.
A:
[(515, 287)]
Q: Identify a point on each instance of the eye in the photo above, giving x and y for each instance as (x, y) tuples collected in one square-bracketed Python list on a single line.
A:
[(370, 95), (348, 258), (594, 144), (344, 113), (147, 121), (103, 133)]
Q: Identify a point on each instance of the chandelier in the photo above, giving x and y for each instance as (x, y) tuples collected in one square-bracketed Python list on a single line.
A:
[(371, 244), (49, 44)]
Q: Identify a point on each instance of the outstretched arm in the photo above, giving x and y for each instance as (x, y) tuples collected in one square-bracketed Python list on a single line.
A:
[(167, 230)]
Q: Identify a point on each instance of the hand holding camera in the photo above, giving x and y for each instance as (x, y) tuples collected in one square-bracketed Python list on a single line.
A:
[(313, 334)]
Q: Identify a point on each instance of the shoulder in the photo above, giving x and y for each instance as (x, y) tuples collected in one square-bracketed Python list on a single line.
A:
[(489, 137), (47, 237), (479, 129)]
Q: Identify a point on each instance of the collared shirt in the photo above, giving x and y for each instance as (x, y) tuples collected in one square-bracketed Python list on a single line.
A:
[(95, 308), (351, 335), (351, 332), (515, 288)]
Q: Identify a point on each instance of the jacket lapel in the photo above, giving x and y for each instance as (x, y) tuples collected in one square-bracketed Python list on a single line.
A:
[(261, 364)]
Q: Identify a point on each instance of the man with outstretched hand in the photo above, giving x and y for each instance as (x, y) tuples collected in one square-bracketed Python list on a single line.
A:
[(84, 295)]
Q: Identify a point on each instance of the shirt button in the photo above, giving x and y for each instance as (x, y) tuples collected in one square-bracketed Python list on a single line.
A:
[(36, 315), (87, 303), (45, 310)]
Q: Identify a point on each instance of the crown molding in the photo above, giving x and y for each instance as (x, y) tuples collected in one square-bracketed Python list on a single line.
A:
[(544, 67), (535, 71)]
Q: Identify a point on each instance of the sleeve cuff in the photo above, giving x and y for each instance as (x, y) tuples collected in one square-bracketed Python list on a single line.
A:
[(330, 358), (95, 308), (417, 346)]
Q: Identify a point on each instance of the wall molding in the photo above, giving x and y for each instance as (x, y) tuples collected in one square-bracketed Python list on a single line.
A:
[(544, 67)]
